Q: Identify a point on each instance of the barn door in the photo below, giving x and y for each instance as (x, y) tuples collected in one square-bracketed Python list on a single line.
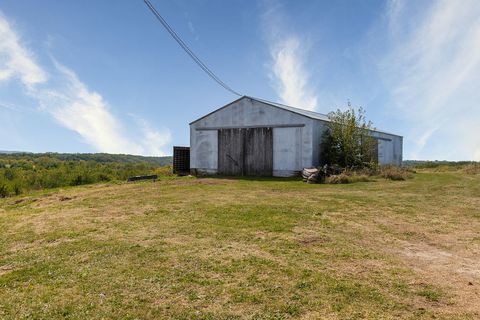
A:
[(247, 152), (258, 157), (230, 152)]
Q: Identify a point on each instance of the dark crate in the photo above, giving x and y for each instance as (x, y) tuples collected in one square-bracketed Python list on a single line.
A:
[(181, 160)]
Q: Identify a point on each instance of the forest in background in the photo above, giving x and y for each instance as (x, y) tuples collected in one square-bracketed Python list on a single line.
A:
[(22, 172)]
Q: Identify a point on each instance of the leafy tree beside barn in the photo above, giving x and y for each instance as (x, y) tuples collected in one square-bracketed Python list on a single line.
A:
[(348, 142)]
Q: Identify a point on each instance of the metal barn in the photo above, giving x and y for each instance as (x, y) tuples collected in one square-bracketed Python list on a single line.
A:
[(254, 137)]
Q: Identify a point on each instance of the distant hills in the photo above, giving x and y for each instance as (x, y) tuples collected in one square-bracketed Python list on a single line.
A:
[(11, 152), (97, 157), (433, 163)]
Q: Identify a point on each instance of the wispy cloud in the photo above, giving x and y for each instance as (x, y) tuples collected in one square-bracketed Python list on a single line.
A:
[(77, 108), (432, 70), (71, 103), (9, 106), (153, 141), (289, 54), (191, 27), (15, 60)]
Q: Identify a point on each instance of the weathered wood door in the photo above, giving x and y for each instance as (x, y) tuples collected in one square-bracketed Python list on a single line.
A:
[(230, 152), (245, 151)]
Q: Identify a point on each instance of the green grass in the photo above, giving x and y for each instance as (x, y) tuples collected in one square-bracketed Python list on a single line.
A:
[(216, 248)]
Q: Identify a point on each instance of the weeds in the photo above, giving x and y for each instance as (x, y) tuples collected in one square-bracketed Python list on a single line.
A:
[(395, 173), (369, 173), (473, 168), (347, 177)]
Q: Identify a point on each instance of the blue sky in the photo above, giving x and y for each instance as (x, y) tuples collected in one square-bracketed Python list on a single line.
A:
[(103, 76)]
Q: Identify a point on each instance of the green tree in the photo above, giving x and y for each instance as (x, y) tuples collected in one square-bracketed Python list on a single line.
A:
[(348, 142)]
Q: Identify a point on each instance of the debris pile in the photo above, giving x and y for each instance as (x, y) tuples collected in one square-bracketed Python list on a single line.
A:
[(312, 175), (318, 175)]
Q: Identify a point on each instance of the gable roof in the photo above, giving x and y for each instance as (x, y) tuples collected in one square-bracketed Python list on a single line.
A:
[(303, 112)]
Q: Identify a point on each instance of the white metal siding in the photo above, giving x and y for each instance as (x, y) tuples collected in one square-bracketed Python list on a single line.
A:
[(287, 145), (205, 153)]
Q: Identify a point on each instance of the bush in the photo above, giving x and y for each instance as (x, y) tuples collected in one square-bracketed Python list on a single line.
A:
[(347, 142), (17, 189), (3, 191)]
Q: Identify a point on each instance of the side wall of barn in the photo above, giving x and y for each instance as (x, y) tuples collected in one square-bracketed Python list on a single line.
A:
[(293, 145), (390, 146)]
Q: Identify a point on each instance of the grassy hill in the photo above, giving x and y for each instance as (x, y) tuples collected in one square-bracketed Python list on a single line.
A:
[(187, 248)]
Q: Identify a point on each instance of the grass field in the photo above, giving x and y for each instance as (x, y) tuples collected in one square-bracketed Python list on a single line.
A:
[(187, 248)]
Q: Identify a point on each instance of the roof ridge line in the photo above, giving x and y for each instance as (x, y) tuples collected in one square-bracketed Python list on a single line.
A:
[(285, 105)]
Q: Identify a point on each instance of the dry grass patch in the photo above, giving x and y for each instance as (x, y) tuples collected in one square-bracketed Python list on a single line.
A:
[(215, 248)]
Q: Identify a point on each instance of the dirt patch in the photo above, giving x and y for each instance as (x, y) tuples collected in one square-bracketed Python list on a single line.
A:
[(50, 200), (453, 263), (6, 269), (457, 272), (18, 201), (64, 198)]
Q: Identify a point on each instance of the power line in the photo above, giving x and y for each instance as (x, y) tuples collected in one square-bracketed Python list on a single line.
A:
[(184, 46)]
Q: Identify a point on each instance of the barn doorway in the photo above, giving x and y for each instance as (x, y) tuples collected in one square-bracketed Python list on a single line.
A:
[(245, 152)]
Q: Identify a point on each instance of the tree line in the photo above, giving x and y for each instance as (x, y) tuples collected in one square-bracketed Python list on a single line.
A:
[(22, 172)]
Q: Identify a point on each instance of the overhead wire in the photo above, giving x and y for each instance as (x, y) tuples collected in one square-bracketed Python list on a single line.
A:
[(185, 47)]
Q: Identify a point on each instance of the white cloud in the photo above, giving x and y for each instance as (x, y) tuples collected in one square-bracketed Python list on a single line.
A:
[(72, 103), (153, 140), (289, 75), (291, 78), (15, 60), (432, 69), (85, 112)]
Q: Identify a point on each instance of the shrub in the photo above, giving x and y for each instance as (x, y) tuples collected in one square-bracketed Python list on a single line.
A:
[(164, 171), (17, 189), (3, 191), (347, 142)]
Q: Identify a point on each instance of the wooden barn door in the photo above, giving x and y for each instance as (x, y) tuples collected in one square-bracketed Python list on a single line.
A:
[(247, 152), (230, 152), (258, 156)]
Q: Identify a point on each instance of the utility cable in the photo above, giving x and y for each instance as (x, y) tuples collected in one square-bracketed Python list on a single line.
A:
[(185, 47)]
